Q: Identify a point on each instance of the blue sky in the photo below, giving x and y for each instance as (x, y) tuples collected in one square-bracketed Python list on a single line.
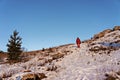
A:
[(48, 23)]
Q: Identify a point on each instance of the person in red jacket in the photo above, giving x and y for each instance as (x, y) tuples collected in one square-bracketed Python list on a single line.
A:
[(78, 42)]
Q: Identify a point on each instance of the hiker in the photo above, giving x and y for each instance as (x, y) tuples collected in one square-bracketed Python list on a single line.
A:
[(78, 42)]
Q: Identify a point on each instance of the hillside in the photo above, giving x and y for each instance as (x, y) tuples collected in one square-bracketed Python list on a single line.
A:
[(97, 59)]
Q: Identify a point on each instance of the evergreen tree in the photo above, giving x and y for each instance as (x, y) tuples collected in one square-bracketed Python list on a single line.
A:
[(14, 46)]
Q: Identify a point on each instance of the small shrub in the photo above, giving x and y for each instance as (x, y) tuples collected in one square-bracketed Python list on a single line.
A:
[(52, 68), (100, 53), (50, 50), (41, 75), (13, 61), (118, 63), (57, 56), (101, 48), (97, 48), (93, 44), (118, 72), (5, 75), (118, 41), (43, 49), (112, 77), (88, 62), (108, 52), (109, 77), (66, 52), (50, 60), (27, 70), (31, 76)]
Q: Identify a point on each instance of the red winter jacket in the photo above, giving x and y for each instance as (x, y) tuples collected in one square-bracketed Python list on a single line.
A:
[(78, 41)]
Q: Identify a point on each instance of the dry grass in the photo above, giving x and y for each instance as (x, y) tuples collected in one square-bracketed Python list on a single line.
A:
[(113, 76), (37, 76), (98, 48), (57, 56), (3, 55)]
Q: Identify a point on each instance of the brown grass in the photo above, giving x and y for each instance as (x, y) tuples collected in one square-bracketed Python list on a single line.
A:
[(32, 76), (3, 55), (57, 56)]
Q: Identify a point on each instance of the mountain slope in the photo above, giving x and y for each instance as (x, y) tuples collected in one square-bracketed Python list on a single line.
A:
[(96, 59)]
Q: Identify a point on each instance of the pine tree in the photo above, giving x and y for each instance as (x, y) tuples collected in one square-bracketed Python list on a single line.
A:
[(14, 46)]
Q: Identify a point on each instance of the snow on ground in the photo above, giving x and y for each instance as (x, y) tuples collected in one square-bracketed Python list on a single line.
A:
[(76, 64), (110, 37), (83, 66), (86, 65)]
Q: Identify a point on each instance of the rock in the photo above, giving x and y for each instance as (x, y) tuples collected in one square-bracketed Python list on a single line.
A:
[(112, 76), (57, 56), (41, 75), (51, 50), (107, 31), (32, 76), (101, 34), (51, 68), (27, 70), (29, 76), (116, 28)]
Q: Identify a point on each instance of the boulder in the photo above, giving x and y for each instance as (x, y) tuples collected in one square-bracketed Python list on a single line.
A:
[(101, 34), (107, 31), (41, 75), (57, 56), (29, 76), (116, 28), (32, 76)]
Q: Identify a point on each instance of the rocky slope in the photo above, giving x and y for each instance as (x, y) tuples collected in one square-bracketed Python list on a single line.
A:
[(96, 59)]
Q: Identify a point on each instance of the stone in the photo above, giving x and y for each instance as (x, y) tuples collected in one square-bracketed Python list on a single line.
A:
[(116, 28)]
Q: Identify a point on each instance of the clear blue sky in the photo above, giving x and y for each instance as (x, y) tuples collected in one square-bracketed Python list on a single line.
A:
[(48, 23)]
